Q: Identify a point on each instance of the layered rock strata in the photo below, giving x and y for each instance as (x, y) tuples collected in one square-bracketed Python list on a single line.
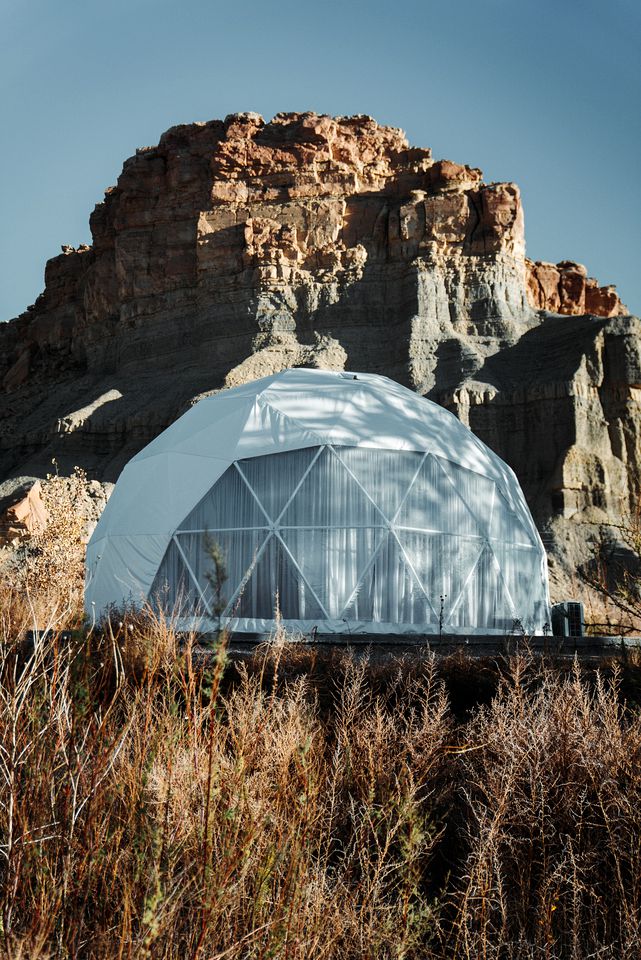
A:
[(236, 248)]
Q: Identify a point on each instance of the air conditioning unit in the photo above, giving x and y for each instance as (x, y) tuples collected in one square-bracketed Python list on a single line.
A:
[(568, 619)]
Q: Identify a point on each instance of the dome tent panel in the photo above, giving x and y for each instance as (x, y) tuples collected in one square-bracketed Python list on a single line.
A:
[(120, 570), (390, 593), (443, 563), (292, 467), (434, 503), (484, 597), (474, 497), (230, 503), (386, 475), (268, 431), (274, 585), (333, 560), (349, 500), (330, 496), (176, 588), (194, 433), (520, 567), (505, 524), (191, 552)]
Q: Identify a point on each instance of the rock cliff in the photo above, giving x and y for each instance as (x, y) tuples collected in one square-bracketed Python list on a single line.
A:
[(236, 248)]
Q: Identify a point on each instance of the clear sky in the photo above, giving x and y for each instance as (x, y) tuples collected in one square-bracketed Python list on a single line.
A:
[(547, 94)]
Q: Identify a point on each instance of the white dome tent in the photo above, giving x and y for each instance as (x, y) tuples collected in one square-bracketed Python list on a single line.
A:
[(348, 501)]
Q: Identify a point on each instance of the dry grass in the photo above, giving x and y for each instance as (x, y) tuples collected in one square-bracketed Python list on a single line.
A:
[(155, 805), (305, 807)]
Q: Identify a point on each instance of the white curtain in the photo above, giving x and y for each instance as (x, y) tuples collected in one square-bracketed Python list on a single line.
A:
[(174, 591), (274, 483), (357, 534), (390, 593)]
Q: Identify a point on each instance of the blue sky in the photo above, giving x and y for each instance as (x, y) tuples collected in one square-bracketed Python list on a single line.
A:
[(545, 94)]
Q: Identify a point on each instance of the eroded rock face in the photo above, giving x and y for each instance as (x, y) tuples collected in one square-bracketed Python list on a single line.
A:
[(236, 248), (566, 288)]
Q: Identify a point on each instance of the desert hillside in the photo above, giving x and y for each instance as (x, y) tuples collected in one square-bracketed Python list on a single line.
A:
[(236, 248)]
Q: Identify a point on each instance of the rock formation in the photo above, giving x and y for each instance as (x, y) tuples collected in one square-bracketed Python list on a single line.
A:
[(566, 288), (236, 248), (24, 515)]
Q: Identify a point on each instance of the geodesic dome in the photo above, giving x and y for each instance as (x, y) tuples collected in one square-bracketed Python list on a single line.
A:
[(345, 502)]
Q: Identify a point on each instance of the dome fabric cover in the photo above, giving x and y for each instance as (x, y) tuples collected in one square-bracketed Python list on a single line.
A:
[(345, 500)]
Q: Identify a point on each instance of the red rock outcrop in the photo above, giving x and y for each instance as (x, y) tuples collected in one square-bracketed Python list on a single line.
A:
[(566, 288), (225, 211), (236, 248), (24, 516)]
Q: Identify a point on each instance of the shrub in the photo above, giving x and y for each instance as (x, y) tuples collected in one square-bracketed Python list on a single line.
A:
[(48, 568)]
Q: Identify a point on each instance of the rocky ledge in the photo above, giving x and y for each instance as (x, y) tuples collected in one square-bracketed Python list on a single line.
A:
[(236, 248)]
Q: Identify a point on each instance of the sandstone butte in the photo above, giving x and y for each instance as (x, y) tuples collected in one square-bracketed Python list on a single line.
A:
[(236, 248)]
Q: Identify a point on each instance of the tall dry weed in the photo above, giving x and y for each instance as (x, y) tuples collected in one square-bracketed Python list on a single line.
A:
[(553, 824)]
